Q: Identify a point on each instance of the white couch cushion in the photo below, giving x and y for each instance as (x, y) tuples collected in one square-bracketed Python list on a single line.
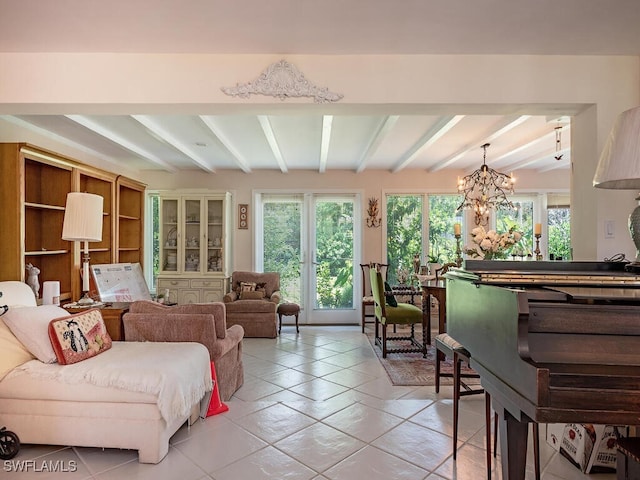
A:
[(30, 325)]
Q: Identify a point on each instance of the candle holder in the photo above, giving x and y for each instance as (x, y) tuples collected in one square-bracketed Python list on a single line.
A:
[(458, 250), (537, 250)]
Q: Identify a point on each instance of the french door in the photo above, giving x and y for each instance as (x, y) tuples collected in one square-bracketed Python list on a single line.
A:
[(312, 239)]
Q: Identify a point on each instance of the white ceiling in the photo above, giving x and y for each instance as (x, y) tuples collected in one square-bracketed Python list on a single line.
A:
[(304, 139)]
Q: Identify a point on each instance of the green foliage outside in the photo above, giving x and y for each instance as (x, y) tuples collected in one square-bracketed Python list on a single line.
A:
[(442, 218), (404, 233), (521, 220), (559, 230), (334, 240), (282, 246)]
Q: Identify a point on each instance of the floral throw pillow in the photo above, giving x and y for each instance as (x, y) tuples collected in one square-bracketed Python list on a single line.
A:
[(78, 337)]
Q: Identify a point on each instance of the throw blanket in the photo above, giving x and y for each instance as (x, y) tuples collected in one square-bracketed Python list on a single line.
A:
[(179, 374)]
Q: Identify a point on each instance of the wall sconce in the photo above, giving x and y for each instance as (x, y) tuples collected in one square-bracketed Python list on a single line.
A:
[(373, 220)]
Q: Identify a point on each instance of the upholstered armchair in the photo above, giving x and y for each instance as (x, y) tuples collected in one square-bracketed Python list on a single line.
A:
[(253, 301), (203, 323)]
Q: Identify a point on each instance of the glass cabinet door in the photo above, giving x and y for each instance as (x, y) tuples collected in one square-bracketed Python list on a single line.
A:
[(215, 236), (192, 235), (169, 235)]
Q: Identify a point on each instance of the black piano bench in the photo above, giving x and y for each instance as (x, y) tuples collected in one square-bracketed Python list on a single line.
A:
[(447, 346), (628, 458)]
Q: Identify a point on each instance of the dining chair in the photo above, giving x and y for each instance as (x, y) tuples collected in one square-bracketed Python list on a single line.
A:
[(367, 295), (401, 314)]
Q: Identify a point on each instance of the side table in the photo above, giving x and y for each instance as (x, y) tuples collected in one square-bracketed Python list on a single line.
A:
[(437, 288), (112, 314)]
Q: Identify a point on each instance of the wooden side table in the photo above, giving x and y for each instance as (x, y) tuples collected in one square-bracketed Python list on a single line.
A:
[(437, 288), (112, 314)]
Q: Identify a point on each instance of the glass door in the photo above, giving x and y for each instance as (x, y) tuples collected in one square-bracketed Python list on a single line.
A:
[(310, 240), (332, 255)]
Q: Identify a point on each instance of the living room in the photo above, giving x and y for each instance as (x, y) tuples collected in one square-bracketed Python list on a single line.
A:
[(591, 86)]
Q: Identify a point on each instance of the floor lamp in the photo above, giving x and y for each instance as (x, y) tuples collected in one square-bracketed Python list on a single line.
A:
[(619, 168), (83, 223)]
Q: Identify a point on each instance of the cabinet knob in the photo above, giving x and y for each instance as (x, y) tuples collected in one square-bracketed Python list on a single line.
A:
[(173, 282)]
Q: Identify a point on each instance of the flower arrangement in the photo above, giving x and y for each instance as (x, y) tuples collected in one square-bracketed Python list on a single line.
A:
[(489, 244)]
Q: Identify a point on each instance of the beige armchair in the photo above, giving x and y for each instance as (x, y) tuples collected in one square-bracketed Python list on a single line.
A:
[(203, 323), (255, 307)]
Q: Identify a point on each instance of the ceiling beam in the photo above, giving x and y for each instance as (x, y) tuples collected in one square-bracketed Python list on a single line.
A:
[(327, 125), (441, 127), (269, 134), (169, 138), (123, 142), (496, 131), (226, 143), (531, 141), (377, 138)]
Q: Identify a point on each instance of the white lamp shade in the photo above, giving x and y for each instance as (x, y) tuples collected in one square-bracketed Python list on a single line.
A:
[(619, 166), (83, 217)]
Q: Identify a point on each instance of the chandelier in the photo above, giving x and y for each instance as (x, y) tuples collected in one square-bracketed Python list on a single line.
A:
[(485, 189)]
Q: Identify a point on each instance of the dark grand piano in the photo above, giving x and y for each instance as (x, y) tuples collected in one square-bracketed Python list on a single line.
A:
[(553, 342)]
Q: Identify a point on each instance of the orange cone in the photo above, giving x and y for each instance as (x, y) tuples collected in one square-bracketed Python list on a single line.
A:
[(215, 405)]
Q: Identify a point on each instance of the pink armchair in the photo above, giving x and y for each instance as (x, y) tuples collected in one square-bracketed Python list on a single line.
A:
[(256, 313), (203, 323)]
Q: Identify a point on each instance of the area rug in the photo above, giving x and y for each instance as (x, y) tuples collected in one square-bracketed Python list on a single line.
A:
[(411, 369)]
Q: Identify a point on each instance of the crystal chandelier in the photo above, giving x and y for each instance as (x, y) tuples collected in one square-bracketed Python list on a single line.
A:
[(485, 189)]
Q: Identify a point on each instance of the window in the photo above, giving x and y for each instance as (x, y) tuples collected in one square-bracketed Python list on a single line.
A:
[(152, 255), (559, 232), (404, 233), (407, 229), (442, 218), (522, 220)]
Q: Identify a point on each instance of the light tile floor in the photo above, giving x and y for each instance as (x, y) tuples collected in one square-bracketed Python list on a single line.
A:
[(315, 405)]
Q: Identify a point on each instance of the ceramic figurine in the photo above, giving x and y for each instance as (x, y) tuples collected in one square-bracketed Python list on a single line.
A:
[(32, 278)]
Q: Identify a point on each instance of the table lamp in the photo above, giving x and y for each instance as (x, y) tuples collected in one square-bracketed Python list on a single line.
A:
[(619, 168), (83, 223)]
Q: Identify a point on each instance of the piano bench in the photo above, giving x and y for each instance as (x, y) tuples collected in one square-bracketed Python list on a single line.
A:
[(628, 458), (447, 346)]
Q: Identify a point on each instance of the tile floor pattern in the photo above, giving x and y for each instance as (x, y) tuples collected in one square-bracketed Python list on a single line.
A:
[(316, 405)]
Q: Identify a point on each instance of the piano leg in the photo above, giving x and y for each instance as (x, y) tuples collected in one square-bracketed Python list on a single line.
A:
[(513, 443)]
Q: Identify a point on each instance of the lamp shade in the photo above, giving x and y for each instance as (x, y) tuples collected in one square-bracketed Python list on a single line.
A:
[(83, 217), (619, 165)]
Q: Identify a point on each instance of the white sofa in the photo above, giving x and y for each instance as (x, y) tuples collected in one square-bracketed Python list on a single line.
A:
[(42, 406)]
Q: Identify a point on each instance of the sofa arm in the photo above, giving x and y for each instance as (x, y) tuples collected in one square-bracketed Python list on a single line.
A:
[(230, 297), (144, 327), (276, 297)]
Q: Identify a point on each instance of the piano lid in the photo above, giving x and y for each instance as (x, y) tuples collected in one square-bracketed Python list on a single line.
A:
[(568, 274)]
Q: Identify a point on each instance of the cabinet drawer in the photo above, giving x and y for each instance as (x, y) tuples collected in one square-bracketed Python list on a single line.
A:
[(206, 283), (172, 283)]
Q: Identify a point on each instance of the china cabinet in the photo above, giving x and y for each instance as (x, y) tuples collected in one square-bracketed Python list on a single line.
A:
[(195, 248)]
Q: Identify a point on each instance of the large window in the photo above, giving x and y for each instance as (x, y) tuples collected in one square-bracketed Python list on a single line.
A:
[(404, 233), (558, 224), (407, 230), (442, 218)]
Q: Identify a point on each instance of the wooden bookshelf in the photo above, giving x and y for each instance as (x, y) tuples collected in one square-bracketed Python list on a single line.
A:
[(33, 190)]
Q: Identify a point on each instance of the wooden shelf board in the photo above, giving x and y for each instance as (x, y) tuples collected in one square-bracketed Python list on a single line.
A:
[(46, 252), (43, 206)]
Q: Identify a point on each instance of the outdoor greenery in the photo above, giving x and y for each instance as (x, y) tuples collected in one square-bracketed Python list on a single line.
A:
[(404, 233), (442, 218), (334, 257), (282, 245), (521, 220), (559, 228)]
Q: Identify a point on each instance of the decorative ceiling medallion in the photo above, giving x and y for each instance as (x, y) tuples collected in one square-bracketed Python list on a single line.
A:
[(283, 80)]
